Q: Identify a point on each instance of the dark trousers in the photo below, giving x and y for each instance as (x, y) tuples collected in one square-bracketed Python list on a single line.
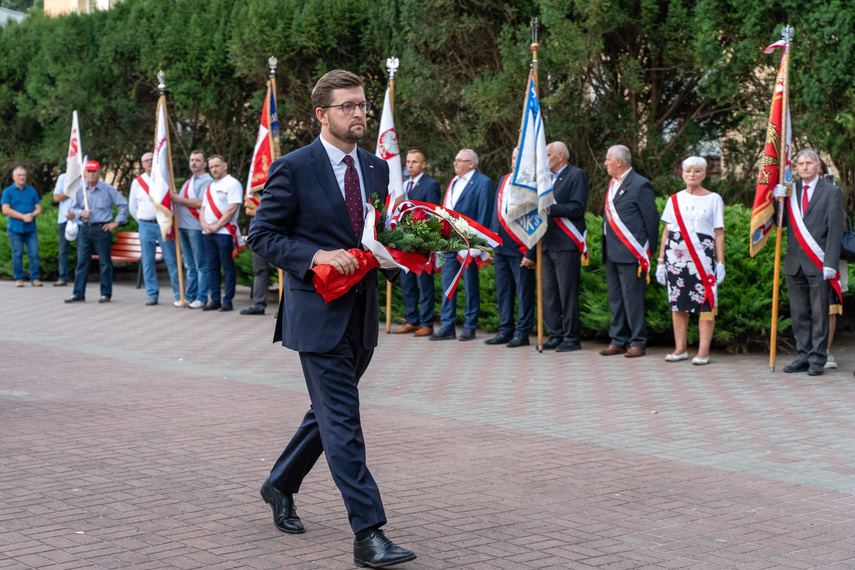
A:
[(332, 426), (562, 279), (448, 312), (93, 238), (419, 298), (64, 247), (260, 281), (809, 311), (514, 283), (218, 255), (626, 301)]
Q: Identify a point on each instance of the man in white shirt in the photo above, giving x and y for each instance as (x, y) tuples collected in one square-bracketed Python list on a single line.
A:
[(218, 218), (61, 219), (187, 204), (144, 212)]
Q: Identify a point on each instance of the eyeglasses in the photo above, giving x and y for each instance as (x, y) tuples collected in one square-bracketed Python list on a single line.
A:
[(456, 160), (348, 108)]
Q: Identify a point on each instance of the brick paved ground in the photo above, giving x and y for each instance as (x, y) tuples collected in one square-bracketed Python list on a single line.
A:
[(122, 450)]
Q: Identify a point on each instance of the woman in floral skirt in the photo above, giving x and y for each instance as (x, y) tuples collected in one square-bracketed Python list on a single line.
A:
[(691, 259)]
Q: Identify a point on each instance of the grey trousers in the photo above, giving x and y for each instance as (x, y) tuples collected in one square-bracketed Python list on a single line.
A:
[(809, 311), (626, 301), (260, 281), (562, 277)]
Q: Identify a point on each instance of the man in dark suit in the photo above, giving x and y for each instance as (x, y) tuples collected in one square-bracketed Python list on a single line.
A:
[(471, 194), (312, 212), (822, 210), (514, 281), (630, 227), (562, 251), (418, 290)]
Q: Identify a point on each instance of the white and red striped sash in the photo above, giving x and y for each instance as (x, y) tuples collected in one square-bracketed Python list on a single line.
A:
[(186, 191), (703, 265), (641, 252), (808, 243), (231, 227)]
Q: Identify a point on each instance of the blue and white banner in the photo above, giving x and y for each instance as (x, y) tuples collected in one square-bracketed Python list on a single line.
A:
[(530, 191)]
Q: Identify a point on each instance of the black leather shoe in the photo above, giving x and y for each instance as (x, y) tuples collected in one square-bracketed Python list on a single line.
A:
[(377, 551), (226, 307), (498, 339), (151, 301), (519, 340), (284, 514), (552, 343), (74, 299), (104, 299), (253, 311), (797, 366), (816, 370), (568, 345), (444, 334), (467, 334), (212, 306)]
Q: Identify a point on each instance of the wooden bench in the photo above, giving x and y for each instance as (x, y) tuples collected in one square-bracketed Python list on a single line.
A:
[(127, 248)]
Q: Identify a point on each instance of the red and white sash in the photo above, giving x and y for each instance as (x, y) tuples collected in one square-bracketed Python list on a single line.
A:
[(231, 227), (703, 265), (580, 239), (186, 191), (500, 209), (808, 244), (143, 184), (641, 253)]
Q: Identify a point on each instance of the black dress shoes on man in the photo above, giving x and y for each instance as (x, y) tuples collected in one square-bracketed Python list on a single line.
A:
[(519, 340), (816, 370), (253, 311), (74, 299), (552, 343), (377, 551), (568, 345), (212, 306), (284, 514), (797, 366), (499, 339), (467, 334), (446, 333)]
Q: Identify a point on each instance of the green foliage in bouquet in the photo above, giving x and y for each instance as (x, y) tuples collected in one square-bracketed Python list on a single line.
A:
[(422, 235)]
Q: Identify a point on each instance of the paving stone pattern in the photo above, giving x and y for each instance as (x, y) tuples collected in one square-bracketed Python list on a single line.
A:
[(137, 437)]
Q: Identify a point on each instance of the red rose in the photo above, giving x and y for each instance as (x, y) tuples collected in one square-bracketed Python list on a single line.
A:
[(446, 229), (419, 216)]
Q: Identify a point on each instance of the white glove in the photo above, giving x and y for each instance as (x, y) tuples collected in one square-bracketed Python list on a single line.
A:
[(719, 273), (660, 274), (829, 273), (780, 191)]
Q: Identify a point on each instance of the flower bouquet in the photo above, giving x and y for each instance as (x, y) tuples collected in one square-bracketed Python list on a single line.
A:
[(405, 239)]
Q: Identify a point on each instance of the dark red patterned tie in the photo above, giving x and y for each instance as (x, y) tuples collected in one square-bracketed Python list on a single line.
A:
[(353, 196), (805, 199)]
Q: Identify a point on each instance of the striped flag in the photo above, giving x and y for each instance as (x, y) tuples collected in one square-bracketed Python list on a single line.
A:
[(161, 173), (266, 147)]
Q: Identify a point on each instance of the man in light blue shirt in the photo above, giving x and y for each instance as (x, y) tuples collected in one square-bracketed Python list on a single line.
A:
[(96, 230), (21, 204)]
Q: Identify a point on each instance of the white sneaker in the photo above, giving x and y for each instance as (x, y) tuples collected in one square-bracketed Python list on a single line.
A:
[(830, 362), (177, 303), (196, 304)]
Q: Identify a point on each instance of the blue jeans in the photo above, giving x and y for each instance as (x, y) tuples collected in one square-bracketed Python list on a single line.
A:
[(149, 238), (18, 241), (93, 239), (448, 313), (418, 293), (218, 250), (196, 264), (64, 247)]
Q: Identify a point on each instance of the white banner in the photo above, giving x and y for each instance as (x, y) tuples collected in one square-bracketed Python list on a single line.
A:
[(159, 191), (388, 150)]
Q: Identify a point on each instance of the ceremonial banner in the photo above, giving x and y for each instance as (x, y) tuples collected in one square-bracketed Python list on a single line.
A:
[(161, 173), (530, 191), (388, 150), (74, 161), (266, 147), (775, 169)]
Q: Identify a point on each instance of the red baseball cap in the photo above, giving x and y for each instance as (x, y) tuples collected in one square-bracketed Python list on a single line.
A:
[(93, 165)]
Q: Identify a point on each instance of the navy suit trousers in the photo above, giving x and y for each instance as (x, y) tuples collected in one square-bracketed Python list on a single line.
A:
[(514, 283), (419, 298), (448, 313), (332, 426)]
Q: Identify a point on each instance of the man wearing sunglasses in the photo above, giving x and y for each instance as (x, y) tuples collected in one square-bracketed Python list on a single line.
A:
[(313, 211)]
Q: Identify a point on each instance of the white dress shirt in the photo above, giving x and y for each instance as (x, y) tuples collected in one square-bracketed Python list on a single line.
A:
[(339, 167), (457, 187)]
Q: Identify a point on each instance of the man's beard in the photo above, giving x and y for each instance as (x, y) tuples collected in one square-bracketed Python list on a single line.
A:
[(346, 134)]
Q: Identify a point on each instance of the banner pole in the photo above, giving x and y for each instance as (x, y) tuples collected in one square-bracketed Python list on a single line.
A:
[(534, 48), (783, 154), (275, 150), (176, 236), (392, 110)]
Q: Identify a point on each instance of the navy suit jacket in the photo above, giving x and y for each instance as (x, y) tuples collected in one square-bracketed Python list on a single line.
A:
[(636, 207), (571, 199), (477, 199), (425, 190), (302, 211)]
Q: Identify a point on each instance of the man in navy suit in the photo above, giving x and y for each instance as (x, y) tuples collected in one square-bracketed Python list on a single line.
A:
[(630, 228), (514, 281), (311, 213), (471, 194), (562, 256), (418, 290)]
